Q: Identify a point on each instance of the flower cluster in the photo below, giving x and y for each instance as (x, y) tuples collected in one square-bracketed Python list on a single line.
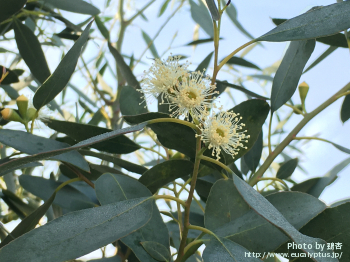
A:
[(192, 94)]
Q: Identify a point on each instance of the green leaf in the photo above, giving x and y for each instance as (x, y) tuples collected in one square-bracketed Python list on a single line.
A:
[(156, 250), (228, 251), (287, 168), (59, 79), (213, 10), (263, 77), (345, 109), (75, 6), (78, 233), (256, 234), (32, 144), (306, 185), (34, 164), (266, 210), (201, 16), (12, 93), (201, 41), (118, 145), (232, 14), (320, 58), (204, 185), (337, 40), (101, 26), (150, 44), (11, 78), (124, 68), (130, 101), (31, 52), (332, 226), (14, 202), (318, 22), (254, 113), (328, 178), (203, 66), (165, 172), (235, 60), (114, 188), (29, 222), (9, 8), (289, 72), (224, 205), (68, 197), (252, 158), (163, 8), (9, 165), (117, 161), (242, 89), (341, 148)]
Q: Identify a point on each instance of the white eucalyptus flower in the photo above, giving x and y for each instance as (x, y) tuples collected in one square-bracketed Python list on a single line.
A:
[(193, 96), (161, 77), (222, 131)]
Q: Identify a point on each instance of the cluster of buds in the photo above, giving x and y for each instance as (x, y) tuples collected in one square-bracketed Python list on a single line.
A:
[(26, 112), (192, 94)]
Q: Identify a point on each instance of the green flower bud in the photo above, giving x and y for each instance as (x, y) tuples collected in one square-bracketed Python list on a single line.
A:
[(303, 90), (11, 115), (22, 104), (30, 113)]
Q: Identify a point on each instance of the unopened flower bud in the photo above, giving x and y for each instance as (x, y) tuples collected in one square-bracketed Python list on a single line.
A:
[(22, 104), (303, 90), (11, 115), (30, 113)]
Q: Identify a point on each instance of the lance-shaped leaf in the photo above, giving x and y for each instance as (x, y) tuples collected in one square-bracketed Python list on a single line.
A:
[(224, 204), (88, 142), (124, 68), (235, 60), (130, 101), (59, 79), (111, 188), (266, 210), (232, 14), (228, 251), (201, 16), (29, 222), (117, 161), (201, 41), (79, 132), (287, 168), (34, 164), (31, 52), (78, 233), (328, 178), (150, 44), (289, 72), (10, 7), (171, 135), (242, 89), (256, 234), (345, 109), (165, 172), (68, 197), (318, 22), (32, 144), (326, 53), (76, 6), (332, 226), (205, 63), (337, 40), (213, 10), (12, 75)]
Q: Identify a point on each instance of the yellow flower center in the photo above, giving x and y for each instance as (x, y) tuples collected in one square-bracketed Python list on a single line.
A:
[(220, 132), (191, 95)]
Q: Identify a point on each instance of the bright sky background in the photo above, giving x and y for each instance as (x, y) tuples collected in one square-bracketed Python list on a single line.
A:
[(324, 80)]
